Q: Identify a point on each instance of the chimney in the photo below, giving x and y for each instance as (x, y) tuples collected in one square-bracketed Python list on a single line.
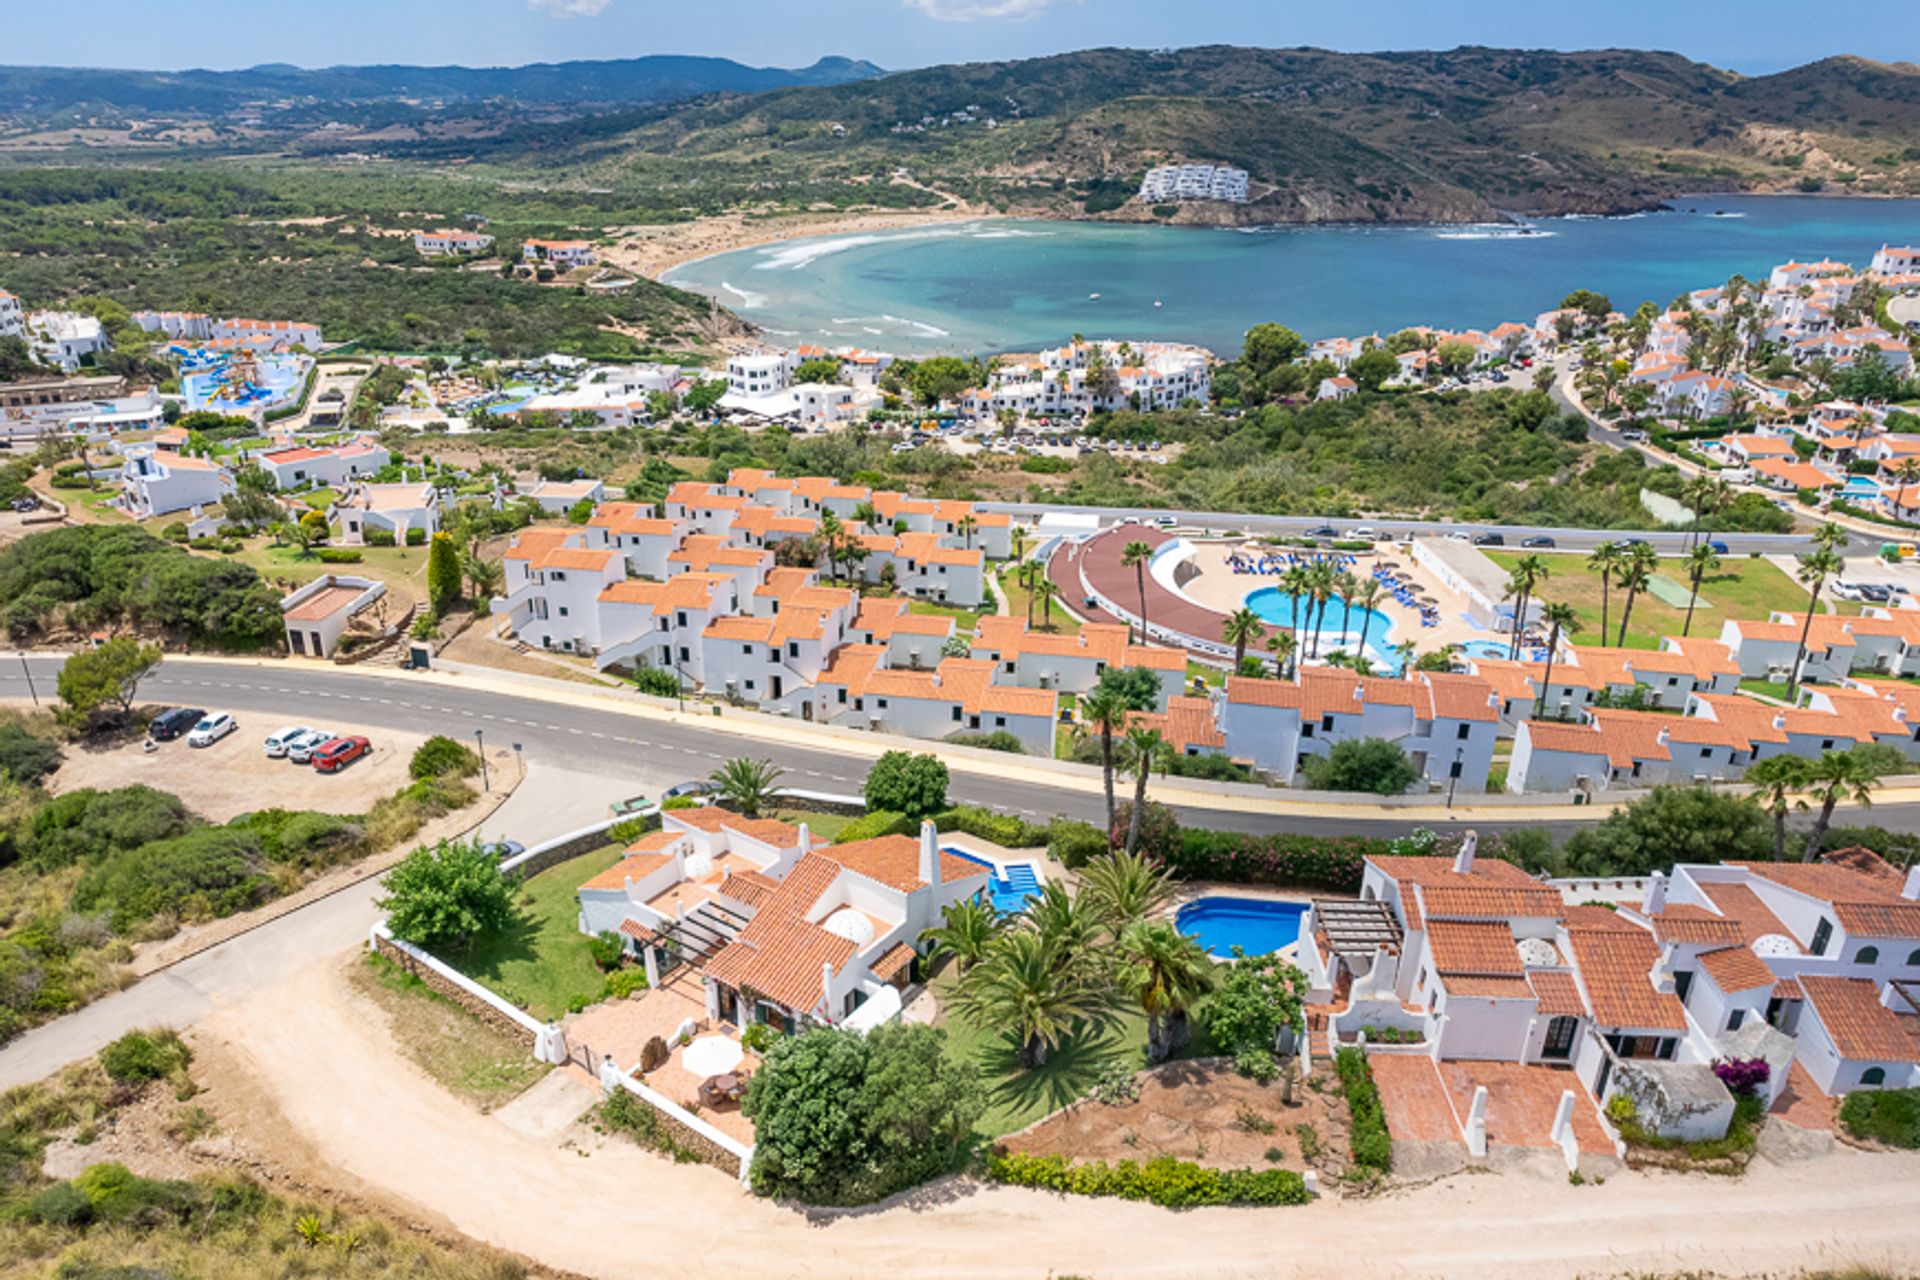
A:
[(1663, 736), (1655, 900), (1911, 889), (1463, 861), (929, 853), (1779, 720), (806, 840), (1359, 692)]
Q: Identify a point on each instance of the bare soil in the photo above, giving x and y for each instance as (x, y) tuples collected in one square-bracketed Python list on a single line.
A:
[(1203, 1111), (474, 1061), (234, 775)]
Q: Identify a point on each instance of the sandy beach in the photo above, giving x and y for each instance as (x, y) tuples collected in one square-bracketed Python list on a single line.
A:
[(654, 250)]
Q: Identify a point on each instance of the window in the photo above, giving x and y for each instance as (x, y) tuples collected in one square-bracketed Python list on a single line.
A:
[(1706, 753), (793, 649), (1465, 730), (1735, 1018), (1683, 983), (1559, 1041), (563, 611), (1913, 961), (1867, 955), (1873, 1075), (557, 575), (1822, 934), (1453, 770), (880, 703), (747, 649), (843, 697), (1826, 744), (1665, 1051), (1326, 723), (956, 713)]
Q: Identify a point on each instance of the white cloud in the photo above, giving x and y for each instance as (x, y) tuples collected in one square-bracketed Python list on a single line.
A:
[(568, 8), (975, 10)]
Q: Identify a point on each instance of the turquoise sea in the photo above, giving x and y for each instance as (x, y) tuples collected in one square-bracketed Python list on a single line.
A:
[(1010, 284)]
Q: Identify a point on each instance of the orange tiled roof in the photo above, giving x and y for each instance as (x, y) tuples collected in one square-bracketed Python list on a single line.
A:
[(1187, 722), (894, 861), (1558, 993), (1736, 969), (1483, 948), (1616, 968), (779, 953), (1861, 1028), (1867, 906), (1683, 922)]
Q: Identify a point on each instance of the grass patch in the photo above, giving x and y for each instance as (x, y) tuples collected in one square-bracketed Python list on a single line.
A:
[(470, 1058), (1776, 689), (827, 826), (321, 499), (1016, 597), (543, 965), (1891, 1116), (1741, 588), (963, 619)]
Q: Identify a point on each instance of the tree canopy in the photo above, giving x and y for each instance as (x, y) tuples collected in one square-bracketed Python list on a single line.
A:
[(447, 896), (106, 678), (908, 783)]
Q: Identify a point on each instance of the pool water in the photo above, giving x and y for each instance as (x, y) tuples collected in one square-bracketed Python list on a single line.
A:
[(1007, 889), (1257, 926), (1275, 607)]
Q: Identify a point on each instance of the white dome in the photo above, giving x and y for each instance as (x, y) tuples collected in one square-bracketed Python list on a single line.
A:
[(851, 925), (1775, 944), (699, 867), (1537, 952)]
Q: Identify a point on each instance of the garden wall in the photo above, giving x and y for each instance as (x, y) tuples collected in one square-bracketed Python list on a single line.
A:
[(455, 986), (571, 845), (691, 1132)]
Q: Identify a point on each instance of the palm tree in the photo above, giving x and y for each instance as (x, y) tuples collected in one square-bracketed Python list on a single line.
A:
[(867, 516), (1025, 575), (1370, 592), (484, 577), (1701, 561), (1320, 587), (1148, 748), (744, 785), (1642, 560), (1017, 541), (1346, 586), (1282, 648), (1405, 651), (1105, 712), (1560, 619), (971, 925), (1528, 573), (1698, 492), (967, 524), (1022, 986), (1294, 582), (830, 530), (1815, 569), (1243, 628), (1068, 921), (1836, 776), (1778, 782), (1167, 973), (1135, 556), (1607, 560), (1046, 590), (1124, 888)]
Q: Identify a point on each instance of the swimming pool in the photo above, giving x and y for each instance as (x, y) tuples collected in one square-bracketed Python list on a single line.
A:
[(1009, 888), (1274, 606), (1257, 926)]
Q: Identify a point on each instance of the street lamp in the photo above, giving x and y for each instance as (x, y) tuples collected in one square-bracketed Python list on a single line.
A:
[(486, 784), (1453, 779), (29, 674)]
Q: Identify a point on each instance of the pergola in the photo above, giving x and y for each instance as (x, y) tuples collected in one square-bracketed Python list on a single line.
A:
[(1354, 927)]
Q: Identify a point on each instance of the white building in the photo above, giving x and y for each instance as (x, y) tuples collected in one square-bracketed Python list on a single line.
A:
[(157, 483), (13, 320), (557, 497), (449, 242), (296, 467), (65, 339), (316, 615), (397, 508), (179, 326), (267, 335), (760, 373), (565, 254), (1194, 182)]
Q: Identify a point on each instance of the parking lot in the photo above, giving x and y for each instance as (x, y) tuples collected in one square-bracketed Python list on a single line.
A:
[(234, 775)]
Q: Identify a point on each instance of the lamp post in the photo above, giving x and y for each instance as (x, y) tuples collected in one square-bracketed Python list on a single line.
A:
[(486, 784), (1453, 779), (29, 674)]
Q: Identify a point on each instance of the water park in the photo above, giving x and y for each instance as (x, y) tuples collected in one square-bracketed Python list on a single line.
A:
[(239, 382)]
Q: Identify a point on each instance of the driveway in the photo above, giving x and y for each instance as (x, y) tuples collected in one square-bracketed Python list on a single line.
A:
[(320, 1085)]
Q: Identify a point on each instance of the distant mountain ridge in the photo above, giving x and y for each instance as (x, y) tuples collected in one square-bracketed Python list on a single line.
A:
[(48, 91)]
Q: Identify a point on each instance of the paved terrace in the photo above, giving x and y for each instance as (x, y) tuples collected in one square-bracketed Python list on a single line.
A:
[(1081, 569)]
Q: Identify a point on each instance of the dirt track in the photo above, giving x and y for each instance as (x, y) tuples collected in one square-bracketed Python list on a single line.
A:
[(321, 1090)]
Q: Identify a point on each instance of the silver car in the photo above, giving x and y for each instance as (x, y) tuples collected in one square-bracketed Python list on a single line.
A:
[(301, 749)]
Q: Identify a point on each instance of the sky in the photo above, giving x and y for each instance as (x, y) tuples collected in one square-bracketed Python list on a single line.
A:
[(1752, 36)]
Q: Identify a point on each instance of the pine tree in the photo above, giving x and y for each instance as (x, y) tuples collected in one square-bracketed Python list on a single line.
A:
[(443, 573)]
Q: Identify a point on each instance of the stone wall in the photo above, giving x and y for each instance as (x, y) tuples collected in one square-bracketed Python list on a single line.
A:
[(585, 840), (686, 1135), (454, 991)]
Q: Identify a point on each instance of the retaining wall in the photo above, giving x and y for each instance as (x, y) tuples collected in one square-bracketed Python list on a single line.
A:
[(690, 1131), (455, 986), (571, 845)]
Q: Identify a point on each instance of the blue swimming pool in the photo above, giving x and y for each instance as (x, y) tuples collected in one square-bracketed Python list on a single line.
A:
[(1275, 607), (1255, 925), (1009, 888)]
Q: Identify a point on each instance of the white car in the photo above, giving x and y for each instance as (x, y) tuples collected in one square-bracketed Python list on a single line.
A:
[(301, 749), (212, 727), (278, 743), (1365, 533)]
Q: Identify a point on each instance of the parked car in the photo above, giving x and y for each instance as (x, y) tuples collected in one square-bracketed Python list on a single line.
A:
[(1633, 435), (333, 756), (1874, 593), (301, 749), (211, 729), (1538, 540), (26, 502), (1324, 531), (169, 725), (501, 850), (1489, 540), (1844, 590), (1363, 533), (277, 743), (1720, 548), (695, 789)]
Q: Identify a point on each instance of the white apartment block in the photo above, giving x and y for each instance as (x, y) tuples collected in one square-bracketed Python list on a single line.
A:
[(13, 320), (179, 326), (560, 253), (158, 483), (1083, 377), (65, 339), (1892, 260), (296, 466), (267, 335), (1194, 182), (760, 373)]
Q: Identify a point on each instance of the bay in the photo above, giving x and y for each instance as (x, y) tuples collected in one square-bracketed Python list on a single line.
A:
[(1014, 284)]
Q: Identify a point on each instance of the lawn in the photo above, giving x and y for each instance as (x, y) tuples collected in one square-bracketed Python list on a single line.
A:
[(1016, 597), (1017, 1097), (320, 499), (542, 965), (824, 825), (964, 620), (1742, 587), (1775, 689), (473, 1059), (403, 569)]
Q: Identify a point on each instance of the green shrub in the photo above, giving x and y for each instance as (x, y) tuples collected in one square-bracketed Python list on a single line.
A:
[(606, 948), (440, 756), (628, 830), (1891, 1116), (302, 837), (175, 532), (115, 1193), (140, 1056), (416, 537), (1074, 844), (338, 555), (209, 871), (1165, 1181), (1372, 1144), (998, 740), (61, 1205), (903, 782), (380, 537), (622, 983), (680, 802), (871, 826), (759, 1037), (89, 825), (1008, 830), (24, 757), (657, 681)]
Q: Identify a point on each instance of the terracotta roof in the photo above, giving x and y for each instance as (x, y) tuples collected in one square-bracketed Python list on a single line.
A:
[(1478, 947), (1736, 969), (1412, 870), (1558, 993), (780, 953), (1458, 697), (1868, 906), (895, 862), (1616, 970), (324, 602), (1683, 922), (1489, 902), (1252, 691), (713, 819), (1187, 722), (631, 867), (893, 961), (753, 630), (1861, 1028), (1743, 906)]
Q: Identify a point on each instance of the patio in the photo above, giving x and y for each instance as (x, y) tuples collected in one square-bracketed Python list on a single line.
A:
[(1429, 1103), (624, 1027)]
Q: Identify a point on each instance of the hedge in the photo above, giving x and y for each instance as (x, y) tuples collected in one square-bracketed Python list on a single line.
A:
[(876, 824), (1372, 1144), (1165, 1181), (1328, 862), (338, 555), (1891, 1116), (1009, 831)]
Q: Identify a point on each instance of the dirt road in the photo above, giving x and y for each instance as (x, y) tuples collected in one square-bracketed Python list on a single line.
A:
[(322, 1088)]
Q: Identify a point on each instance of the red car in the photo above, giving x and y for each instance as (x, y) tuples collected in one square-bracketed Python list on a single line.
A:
[(339, 753)]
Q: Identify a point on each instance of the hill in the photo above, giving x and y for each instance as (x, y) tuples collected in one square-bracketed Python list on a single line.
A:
[(1457, 135)]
